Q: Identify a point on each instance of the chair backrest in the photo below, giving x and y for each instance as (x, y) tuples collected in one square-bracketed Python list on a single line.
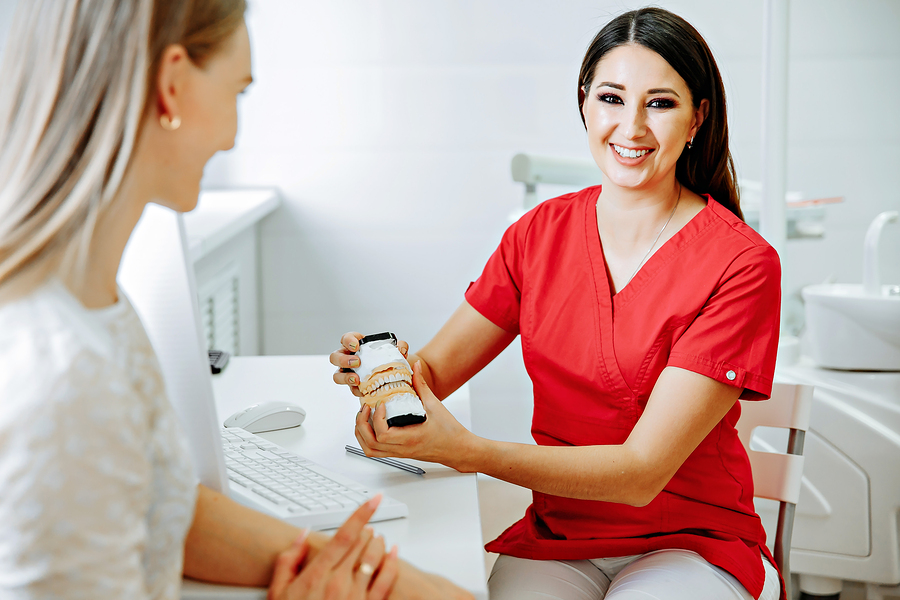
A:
[(778, 476)]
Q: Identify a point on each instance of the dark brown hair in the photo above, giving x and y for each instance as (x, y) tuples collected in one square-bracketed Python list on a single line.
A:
[(707, 167)]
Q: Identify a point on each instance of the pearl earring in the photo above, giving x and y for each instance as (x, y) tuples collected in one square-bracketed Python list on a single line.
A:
[(170, 123)]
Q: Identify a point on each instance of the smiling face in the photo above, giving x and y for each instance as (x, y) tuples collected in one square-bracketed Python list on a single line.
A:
[(639, 117)]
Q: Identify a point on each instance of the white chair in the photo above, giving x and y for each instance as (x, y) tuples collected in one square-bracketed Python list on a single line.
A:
[(777, 476)]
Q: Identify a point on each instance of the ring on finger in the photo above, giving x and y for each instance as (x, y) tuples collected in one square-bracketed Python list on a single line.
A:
[(366, 569)]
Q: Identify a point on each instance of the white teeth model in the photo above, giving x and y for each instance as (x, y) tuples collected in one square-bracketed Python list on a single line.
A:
[(386, 377), (627, 153)]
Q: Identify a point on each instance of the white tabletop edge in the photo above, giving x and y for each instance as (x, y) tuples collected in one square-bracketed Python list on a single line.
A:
[(221, 214)]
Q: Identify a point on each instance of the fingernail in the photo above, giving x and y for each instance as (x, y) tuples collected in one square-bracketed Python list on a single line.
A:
[(300, 539), (352, 380), (373, 502), (354, 362)]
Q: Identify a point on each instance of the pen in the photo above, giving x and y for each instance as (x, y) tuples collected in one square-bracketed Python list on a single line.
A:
[(387, 461)]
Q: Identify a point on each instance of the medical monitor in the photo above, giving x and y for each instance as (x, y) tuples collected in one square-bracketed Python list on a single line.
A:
[(158, 277)]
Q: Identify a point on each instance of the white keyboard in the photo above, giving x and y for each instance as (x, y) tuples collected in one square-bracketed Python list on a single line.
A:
[(265, 476)]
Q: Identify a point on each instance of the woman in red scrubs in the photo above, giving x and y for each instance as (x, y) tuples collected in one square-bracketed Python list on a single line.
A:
[(646, 307)]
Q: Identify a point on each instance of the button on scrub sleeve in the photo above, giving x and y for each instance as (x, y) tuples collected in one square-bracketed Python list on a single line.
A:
[(734, 338)]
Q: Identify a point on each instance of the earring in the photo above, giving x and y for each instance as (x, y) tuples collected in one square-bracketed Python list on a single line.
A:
[(170, 123), (690, 144)]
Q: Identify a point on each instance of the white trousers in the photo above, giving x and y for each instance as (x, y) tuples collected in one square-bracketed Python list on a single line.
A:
[(659, 575)]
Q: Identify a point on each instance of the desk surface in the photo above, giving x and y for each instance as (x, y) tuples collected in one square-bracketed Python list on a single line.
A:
[(443, 531)]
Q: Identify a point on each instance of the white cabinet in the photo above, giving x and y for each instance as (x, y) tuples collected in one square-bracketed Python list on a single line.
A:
[(223, 244)]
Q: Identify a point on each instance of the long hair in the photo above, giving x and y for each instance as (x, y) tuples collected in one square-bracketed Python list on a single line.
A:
[(78, 79), (707, 167)]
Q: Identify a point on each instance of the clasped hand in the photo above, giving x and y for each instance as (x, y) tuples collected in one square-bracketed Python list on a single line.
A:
[(441, 438), (353, 565)]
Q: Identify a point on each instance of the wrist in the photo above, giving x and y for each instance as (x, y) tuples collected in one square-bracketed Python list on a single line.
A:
[(472, 452), (316, 541)]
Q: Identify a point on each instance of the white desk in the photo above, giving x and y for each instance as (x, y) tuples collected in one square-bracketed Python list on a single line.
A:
[(443, 531)]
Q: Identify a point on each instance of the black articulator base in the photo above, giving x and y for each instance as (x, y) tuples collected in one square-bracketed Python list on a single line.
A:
[(805, 596), (404, 420)]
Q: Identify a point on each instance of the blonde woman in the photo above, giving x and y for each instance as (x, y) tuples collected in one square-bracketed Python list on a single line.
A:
[(107, 105)]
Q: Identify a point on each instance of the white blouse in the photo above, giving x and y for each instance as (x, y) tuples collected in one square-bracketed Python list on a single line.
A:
[(96, 487)]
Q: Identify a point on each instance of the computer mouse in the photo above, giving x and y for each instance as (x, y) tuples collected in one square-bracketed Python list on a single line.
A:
[(270, 416)]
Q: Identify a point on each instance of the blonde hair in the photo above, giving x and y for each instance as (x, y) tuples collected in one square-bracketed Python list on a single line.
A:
[(78, 79)]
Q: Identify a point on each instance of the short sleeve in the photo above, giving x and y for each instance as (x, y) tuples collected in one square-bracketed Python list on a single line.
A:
[(75, 478), (734, 337), (497, 294)]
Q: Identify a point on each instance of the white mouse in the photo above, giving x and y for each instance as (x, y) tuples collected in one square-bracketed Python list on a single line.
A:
[(270, 416)]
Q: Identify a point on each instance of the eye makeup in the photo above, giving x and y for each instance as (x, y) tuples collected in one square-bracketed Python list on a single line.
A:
[(658, 103)]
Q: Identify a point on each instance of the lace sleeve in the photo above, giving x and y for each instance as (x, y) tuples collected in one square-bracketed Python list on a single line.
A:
[(75, 478)]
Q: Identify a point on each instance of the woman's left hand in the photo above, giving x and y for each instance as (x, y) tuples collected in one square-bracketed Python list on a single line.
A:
[(351, 566), (441, 438)]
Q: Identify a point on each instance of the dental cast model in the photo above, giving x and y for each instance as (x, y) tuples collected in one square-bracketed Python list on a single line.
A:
[(385, 377)]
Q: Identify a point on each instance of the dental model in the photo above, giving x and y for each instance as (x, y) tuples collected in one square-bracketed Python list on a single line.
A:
[(385, 377)]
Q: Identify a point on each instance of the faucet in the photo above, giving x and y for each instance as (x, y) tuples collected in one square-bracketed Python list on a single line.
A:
[(871, 277)]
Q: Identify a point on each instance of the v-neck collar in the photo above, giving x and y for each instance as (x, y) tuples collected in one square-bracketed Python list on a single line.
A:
[(665, 254), (607, 303)]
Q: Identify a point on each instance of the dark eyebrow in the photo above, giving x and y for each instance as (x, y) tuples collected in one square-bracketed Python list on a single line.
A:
[(664, 91), (619, 86)]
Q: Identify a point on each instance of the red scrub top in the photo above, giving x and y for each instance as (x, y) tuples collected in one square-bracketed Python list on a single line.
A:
[(708, 301)]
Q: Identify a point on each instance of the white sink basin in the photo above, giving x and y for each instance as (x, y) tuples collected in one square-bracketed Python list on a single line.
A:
[(850, 329)]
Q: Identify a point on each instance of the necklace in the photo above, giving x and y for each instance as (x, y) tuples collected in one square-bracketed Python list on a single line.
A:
[(653, 245)]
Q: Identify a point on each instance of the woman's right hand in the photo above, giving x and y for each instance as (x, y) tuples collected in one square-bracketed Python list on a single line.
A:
[(351, 566), (344, 360)]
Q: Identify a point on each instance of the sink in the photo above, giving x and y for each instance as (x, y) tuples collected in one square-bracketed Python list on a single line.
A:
[(850, 329), (853, 326)]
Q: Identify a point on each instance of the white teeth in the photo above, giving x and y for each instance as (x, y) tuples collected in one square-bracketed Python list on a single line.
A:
[(629, 153), (390, 381), (390, 378)]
